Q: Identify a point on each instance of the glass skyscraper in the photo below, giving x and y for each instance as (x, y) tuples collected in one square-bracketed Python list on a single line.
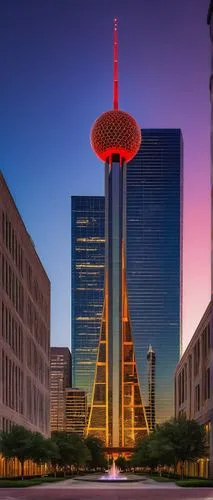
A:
[(153, 268), (88, 248), (154, 258)]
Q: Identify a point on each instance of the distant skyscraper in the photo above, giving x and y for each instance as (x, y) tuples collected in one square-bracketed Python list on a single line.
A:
[(88, 248), (60, 379), (76, 411), (151, 358), (154, 258)]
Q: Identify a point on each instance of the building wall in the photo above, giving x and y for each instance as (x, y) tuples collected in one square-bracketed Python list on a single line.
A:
[(24, 324), (60, 379), (76, 411), (194, 380), (88, 248), (154, 259)]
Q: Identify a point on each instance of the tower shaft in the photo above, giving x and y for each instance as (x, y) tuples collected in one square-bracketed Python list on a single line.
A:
[(113, 263), (117, 413)]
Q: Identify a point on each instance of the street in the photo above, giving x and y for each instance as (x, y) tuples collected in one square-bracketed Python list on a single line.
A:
[(114, 493)]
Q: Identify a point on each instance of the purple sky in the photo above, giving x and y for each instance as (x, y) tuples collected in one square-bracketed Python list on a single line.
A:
[(56, 78)]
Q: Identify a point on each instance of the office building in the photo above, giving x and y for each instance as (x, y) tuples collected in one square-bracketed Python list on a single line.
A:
[(88, 247), (60, 379), (194, 373), (193, 388), (24, 324), (75, 411), (154, 259), (153, 265)]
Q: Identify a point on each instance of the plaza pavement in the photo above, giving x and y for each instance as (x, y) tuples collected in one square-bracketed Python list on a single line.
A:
[(82, 490)]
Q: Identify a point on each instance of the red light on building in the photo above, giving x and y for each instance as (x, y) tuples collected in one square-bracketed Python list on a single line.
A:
[(115, 132)]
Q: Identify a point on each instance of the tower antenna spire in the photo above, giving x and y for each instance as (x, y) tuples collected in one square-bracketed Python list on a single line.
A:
[(115, 65)]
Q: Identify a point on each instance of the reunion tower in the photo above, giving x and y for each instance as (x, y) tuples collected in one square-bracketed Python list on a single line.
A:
[(117, 414)]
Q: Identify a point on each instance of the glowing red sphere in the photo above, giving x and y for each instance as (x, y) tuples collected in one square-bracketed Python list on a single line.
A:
[(115, 132)]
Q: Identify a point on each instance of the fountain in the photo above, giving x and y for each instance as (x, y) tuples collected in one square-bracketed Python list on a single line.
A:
[(113, 474)]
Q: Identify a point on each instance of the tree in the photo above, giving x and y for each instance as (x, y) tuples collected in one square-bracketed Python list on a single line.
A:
[(63, 455), (43, 450), (171, 443), (17, 444), (80, 452), (97, 454), (187, 439), (121, 462), (71, 450), (144, 455)]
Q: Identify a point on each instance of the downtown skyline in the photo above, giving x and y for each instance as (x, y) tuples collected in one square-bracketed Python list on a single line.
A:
[(43, 196)]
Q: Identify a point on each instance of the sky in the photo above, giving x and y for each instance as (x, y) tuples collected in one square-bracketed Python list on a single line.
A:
[(56, 79)]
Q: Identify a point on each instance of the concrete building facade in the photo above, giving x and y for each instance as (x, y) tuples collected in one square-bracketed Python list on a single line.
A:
[(194, 387), (24, 324), (60, 379)]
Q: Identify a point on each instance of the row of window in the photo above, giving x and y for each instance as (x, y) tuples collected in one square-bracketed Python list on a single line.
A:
[(200, 395), (11, 331), (15, 291), (6, 424), (12, 286), (36, 326), (11, 242), (12, 380), (36, 406), (35, 362), (182, 385), (203, 343), (35, 290)]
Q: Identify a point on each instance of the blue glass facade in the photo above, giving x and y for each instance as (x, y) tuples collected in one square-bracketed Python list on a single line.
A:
[(153, 246), (154, 258), (88, 253)]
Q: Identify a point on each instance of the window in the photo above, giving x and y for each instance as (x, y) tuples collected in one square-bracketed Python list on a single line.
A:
[(207, 384), (197, 398), (185, 381), (196, 357), (207, 428)]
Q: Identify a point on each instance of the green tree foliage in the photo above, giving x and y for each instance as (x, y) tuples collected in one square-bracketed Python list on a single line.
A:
[(186, 437), (71, 450), (121, 463), (144, 455), (80, 452), (43, 450), (97, 454), (172, 442), (17, 444), (62, 450)]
